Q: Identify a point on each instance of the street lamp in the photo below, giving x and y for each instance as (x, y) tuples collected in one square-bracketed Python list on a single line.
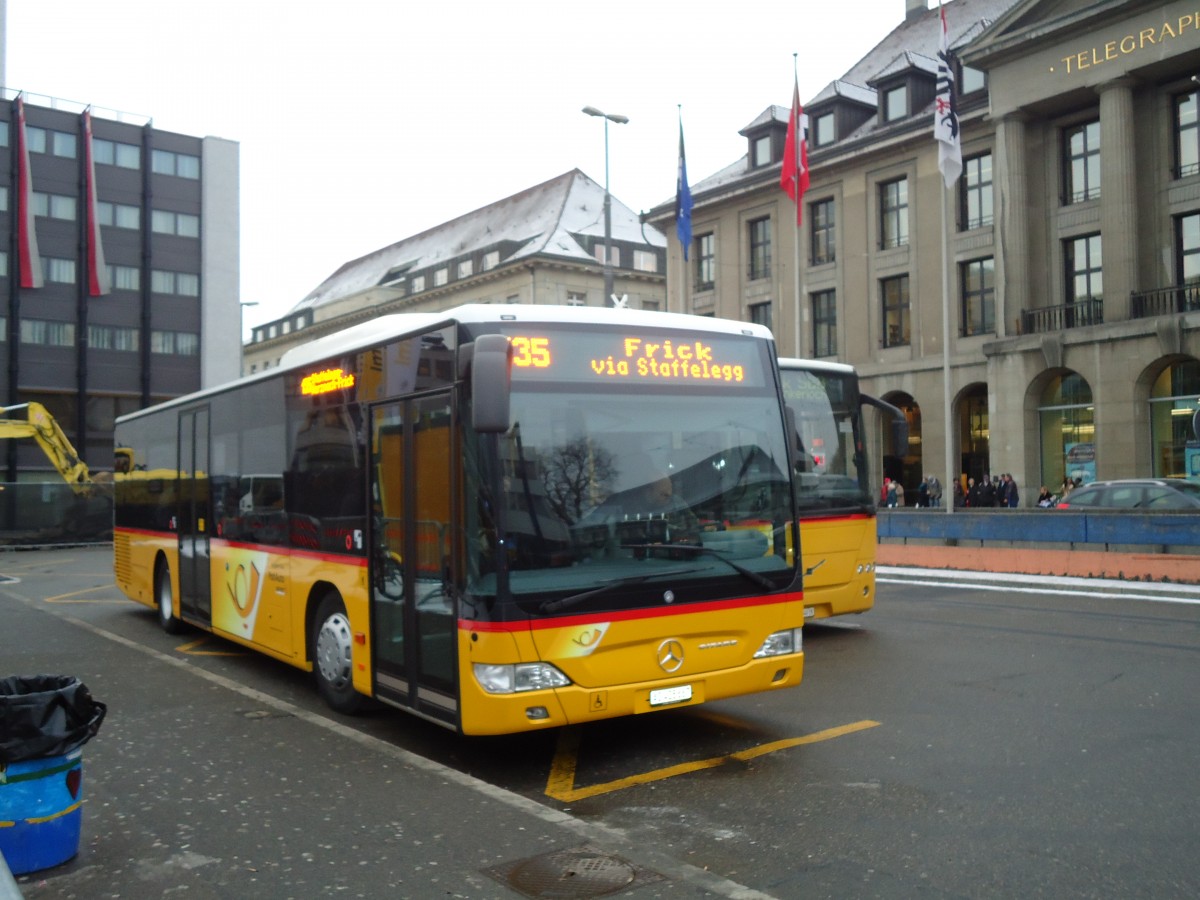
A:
[(608, 274)]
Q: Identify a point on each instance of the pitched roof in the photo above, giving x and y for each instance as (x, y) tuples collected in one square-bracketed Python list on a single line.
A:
[(545, 220), (911, 44), (921, 35)]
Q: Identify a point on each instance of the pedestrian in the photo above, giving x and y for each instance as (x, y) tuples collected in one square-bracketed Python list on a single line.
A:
[(1046, 499), (987, 492), (959, 500), (935, 491), (1011, 495), (923, 493), (973, 500), (891, 494), (899, 501), (883, 492)]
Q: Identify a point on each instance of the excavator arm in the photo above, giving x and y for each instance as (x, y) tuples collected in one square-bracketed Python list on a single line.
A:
[(32, 420)]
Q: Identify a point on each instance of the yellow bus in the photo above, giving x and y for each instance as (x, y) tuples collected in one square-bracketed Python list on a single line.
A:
[(835, 501), (498, 518)]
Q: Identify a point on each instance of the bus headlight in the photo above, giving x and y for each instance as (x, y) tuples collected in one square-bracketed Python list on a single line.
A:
[(780, 643), (517, 678)]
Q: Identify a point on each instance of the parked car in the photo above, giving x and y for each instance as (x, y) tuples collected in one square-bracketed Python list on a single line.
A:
[(1135, 493)]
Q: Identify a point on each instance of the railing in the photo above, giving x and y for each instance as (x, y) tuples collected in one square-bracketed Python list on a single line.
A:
[(1164, 301), (758, 268), (1043, 527), (1060, 318)]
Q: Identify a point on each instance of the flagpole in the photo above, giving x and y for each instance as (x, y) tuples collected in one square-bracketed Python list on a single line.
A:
[(796, 244), (946, 393), (946, 133), (799, 288), (798, 281), (683, 262), (683, 218)]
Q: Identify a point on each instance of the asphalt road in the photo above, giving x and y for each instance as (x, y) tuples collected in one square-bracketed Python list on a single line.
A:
[(1030, 738)]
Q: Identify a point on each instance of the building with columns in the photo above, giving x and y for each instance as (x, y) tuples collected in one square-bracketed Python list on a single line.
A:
[(1057, 283)]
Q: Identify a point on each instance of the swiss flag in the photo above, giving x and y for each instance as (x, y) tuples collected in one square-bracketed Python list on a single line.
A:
[(29, 261), (794, 177)]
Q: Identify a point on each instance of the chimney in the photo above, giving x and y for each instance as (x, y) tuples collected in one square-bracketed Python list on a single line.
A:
[(913, 8)]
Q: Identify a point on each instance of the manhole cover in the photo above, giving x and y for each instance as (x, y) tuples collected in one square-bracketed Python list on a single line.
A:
[(571, 875)]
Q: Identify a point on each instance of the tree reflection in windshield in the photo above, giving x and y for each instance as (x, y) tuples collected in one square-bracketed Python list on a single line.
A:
[(589, 482)]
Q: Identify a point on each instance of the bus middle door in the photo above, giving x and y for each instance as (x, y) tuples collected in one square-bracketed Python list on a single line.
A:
[(413, 615), (194, 516)]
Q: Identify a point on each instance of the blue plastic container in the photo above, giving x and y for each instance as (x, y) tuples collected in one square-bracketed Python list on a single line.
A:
[(41, 809)]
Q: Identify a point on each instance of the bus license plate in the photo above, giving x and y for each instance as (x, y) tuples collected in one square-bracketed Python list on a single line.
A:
[(677, 694), (809, 612)]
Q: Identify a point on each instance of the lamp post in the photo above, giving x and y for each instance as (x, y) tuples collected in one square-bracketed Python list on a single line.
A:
[(608, 273)]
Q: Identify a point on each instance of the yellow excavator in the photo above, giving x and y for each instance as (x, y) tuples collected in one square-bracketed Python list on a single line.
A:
[(32, 420)]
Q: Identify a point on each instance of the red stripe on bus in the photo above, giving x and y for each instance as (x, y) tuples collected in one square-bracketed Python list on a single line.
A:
[(274, 549), (630, 615), (357, 561)]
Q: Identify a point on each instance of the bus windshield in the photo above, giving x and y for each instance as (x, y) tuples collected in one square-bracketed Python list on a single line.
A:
[(831, 472), (631, 497)]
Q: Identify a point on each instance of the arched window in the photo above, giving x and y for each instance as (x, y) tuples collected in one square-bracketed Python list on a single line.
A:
[(1068, 427), (974, 432), (1174, 399), (903, 464)]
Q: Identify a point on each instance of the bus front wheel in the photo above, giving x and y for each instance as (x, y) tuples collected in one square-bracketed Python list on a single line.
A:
[(332, 641), (170, 622)]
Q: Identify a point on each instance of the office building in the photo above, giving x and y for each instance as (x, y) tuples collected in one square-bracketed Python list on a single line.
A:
[(119, 251)]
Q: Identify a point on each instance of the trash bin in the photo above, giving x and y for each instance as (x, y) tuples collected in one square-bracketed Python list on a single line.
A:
[(44, 722)]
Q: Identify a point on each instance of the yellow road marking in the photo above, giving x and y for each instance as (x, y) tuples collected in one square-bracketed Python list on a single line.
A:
[(561, 783), (69, 598), (191, 650)]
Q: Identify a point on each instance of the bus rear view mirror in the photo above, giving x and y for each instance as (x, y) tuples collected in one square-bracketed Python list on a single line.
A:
[(491, 371), (899, 422)]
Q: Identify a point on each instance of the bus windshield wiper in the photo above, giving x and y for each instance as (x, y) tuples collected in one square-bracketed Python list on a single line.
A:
[(570, 600), (761, 580)]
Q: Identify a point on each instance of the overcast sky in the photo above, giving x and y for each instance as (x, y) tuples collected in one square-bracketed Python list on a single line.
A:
[(363, 122)]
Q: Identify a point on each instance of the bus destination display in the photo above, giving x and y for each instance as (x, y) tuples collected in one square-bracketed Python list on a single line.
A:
[(632, 358)]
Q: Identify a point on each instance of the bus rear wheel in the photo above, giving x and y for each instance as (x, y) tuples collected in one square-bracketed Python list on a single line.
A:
[(332, 642), (170, 622)]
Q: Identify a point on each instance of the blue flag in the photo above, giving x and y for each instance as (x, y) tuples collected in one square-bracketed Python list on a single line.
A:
[(683, 201)]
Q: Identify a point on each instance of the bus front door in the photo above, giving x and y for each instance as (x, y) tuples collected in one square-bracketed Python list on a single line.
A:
[(413, 621), (194, 516)]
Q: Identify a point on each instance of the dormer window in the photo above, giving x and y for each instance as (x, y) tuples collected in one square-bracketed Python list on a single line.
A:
[(395, 275), (895, 103), (824, 131), (971, 80), (761, 148)]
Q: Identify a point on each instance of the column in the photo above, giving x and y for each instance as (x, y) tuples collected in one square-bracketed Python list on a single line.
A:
[(1118, 197), (1011, 202)]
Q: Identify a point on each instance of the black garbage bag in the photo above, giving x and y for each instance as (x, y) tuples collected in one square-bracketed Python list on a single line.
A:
[(45, 715)]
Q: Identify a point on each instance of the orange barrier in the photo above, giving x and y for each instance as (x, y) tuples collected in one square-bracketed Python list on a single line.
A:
[(1078, 563)]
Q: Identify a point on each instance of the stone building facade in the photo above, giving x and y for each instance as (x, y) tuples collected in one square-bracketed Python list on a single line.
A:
[(1042, 316)]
